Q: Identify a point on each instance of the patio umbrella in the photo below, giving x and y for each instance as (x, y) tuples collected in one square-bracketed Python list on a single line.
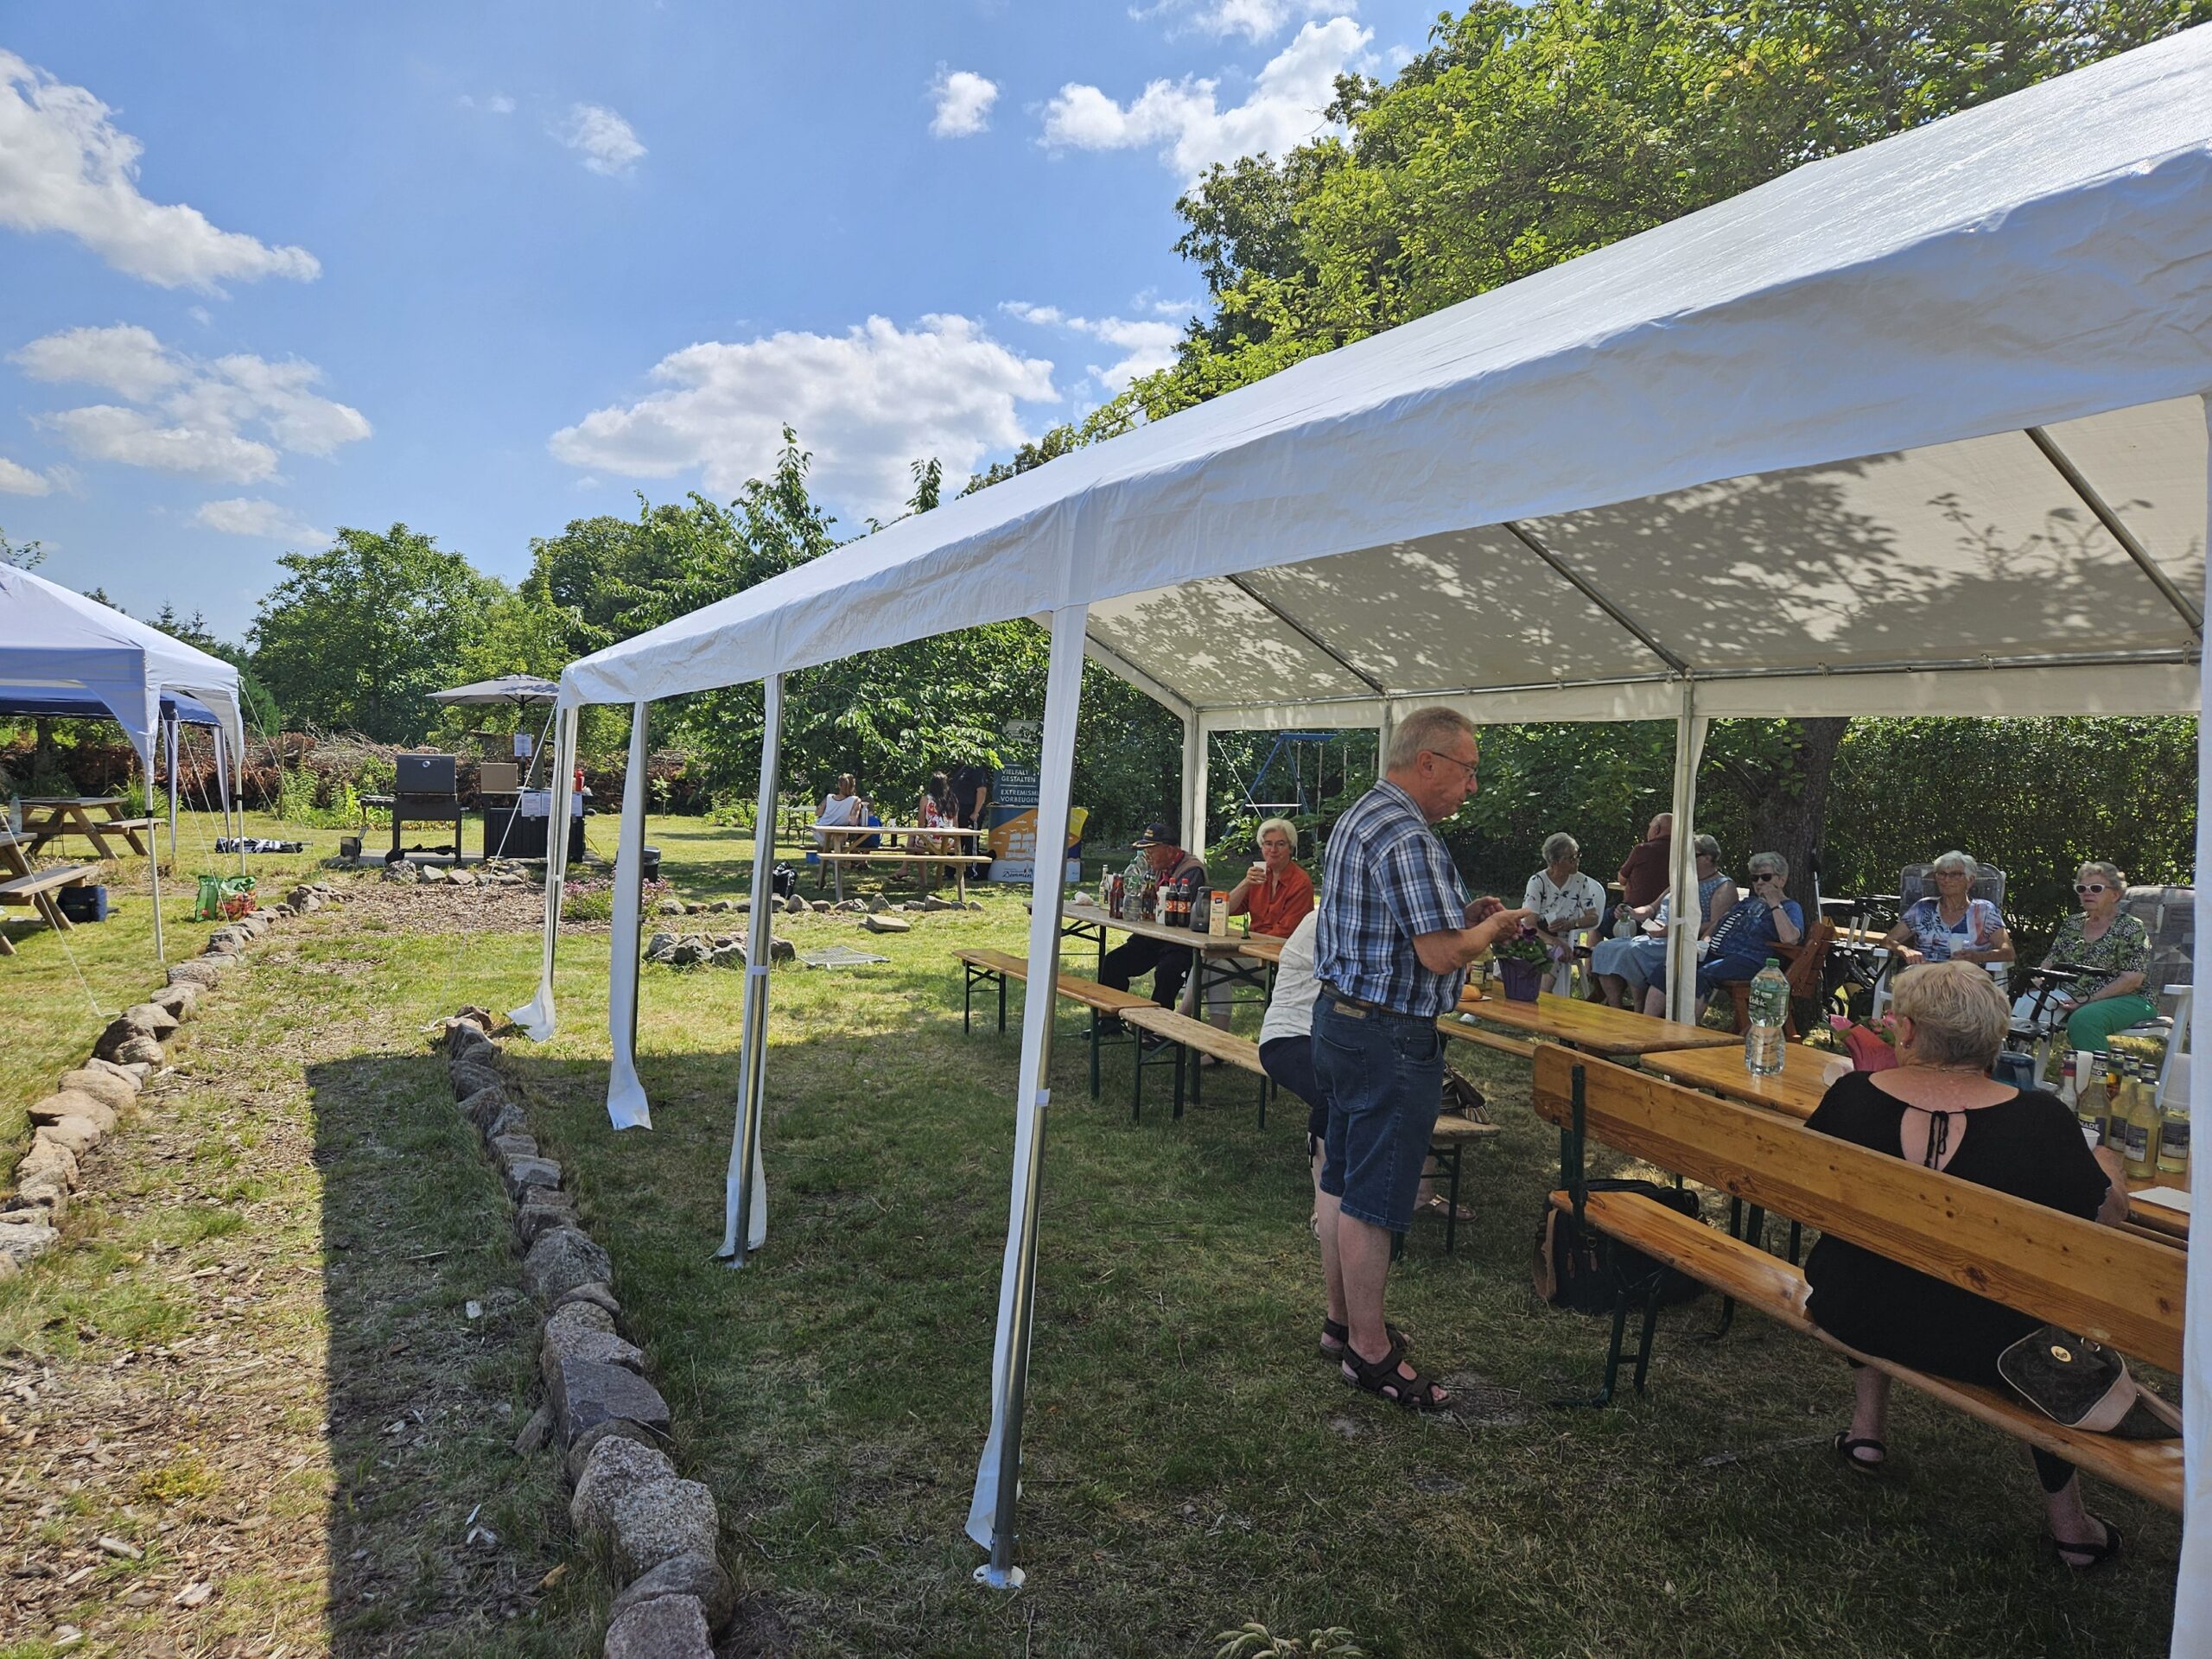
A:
[(520, 690)]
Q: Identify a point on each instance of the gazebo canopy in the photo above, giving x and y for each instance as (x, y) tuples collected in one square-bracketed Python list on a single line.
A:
[(1912, 427), (1916, 428), (56, 642)]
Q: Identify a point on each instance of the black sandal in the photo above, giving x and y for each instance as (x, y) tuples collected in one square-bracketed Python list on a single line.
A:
[(1848, 1450), (1380, 1378), (1341, 1336), (2092, 1556)]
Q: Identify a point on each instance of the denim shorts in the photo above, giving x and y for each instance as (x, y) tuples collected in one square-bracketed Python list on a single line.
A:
[(1384, 1074)]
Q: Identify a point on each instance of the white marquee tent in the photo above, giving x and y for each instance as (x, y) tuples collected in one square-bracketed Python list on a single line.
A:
[(1919, 428), (52, 640)]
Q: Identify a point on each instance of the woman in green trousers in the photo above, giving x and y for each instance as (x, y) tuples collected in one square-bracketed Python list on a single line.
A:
[(2114, 951)]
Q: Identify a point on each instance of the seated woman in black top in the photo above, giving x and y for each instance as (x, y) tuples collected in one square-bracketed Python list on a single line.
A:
[(1940, 1108)]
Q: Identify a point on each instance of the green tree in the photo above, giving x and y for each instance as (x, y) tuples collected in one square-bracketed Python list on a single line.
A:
[(357, 637), (257, 707), (24, 556)]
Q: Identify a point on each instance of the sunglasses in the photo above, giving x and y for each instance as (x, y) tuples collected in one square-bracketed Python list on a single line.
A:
[(2089, 886)]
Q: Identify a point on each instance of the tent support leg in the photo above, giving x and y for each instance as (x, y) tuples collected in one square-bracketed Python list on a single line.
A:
[(993, 1513), (1683, 920), (753, 1056)]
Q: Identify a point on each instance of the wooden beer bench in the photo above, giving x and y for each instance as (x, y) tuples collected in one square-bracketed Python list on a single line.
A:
[(2108, 1284), (983, 967), (34, 890)]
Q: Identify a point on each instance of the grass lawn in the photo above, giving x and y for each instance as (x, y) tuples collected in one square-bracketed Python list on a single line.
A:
[(1191, 1463)]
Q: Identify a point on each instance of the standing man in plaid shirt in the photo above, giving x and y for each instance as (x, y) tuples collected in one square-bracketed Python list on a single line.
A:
[(1394, 936)]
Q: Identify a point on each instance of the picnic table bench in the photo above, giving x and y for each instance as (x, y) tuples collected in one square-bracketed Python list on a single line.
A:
[(838, 836), (985, 966), (48, 817), (2112, 1286), (35, 888)]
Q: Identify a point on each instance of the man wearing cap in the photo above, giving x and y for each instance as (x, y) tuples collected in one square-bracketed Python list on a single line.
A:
[(1394, 935), (1180, 873)]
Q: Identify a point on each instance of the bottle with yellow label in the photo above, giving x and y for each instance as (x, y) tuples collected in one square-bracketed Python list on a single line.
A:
[(2140, 1131), (2173, 1140)]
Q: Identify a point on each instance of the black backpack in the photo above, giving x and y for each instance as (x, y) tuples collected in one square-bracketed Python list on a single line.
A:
[(1570, 1266), (782, 881)]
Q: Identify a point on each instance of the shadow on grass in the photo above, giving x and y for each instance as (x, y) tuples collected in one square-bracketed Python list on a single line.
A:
[(1191, 1465), (440, 1535)]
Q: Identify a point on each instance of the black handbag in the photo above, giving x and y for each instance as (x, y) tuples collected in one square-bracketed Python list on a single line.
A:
[(1571, 1267), (2083, 1384)]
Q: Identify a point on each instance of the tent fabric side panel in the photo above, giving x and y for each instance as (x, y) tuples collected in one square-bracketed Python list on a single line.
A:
[(991, 1512), (1683, 917), (2193, 1593), (537, 1017), (626, 1105)]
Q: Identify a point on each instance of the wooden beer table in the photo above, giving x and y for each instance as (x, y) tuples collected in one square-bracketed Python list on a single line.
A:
[(1593, 1027), (841, 837), (96, 817), (1805, 1076)]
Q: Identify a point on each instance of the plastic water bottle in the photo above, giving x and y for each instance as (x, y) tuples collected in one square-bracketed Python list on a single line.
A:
[(1770, 1014)]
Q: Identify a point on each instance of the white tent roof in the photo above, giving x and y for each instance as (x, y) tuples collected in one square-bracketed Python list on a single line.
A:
[(54, 638), (1922, 410)]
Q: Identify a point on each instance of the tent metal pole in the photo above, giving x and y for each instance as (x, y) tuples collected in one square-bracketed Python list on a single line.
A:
[(1195, 828), (169, 737), (2193, 1583), (1683, 921), (752, 1023), (2117, 528), (1590, 591), (154, 874), (1383, 733), (1018, 1288), (1243, 585), (1194, 750)]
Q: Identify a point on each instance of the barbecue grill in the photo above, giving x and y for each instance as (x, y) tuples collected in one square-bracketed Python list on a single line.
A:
[(423, 791)]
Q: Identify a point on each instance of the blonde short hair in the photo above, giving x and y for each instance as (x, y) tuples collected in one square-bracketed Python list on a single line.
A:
[(1283, 824), (1959, 1017)]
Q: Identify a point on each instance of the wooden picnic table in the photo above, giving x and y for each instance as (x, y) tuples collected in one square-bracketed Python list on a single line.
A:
[(1806, 1073), (48, 817), (21, 884), (1593, 1027), (838, 854)]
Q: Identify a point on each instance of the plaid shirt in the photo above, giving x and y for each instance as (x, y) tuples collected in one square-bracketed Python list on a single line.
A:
[(1388, 880)]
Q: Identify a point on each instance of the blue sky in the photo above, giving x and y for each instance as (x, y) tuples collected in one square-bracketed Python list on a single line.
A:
[(269, 268)]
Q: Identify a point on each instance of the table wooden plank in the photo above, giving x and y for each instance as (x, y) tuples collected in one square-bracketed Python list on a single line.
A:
[(1227, 944), (1804, 1079), (1594, 1026)]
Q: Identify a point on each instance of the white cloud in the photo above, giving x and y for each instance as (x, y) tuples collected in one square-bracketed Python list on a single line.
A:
[(1147, 347), (195, 415), (964, 104), (16, 479), (248, 516), (64, 166), (125, 360), (1255, 20), (497, 104), (866, 402), (601, 137), (1183, 120)]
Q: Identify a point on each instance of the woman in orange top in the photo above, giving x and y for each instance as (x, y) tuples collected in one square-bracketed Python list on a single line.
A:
[(1275, 893)]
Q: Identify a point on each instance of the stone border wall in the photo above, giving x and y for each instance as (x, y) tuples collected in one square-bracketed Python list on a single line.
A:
[(602, 1415), (88, 1102)]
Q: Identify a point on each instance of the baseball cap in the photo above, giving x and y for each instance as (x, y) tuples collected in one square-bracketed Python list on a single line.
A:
[(1156, 835)]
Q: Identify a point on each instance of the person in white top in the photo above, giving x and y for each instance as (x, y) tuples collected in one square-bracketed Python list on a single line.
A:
[(1562, 898)]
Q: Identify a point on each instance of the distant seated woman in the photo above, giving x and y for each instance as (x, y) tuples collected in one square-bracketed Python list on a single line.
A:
[(1622, 967), (1275, 893), (2114, 949), (842, 806), (1938, 1107), (935, 807), (1562, 898), (1953, 926), (1742, 940)]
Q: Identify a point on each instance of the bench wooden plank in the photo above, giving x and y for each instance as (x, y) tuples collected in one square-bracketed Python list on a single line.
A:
[(1225, 1046), (22, 889), (1461, 1033), (1770, 1286), (2103, 1282), (1074, 986), (895, 857)]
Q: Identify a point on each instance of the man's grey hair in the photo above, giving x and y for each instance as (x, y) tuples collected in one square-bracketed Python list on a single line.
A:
[(1283, 824), (1433, 727), (1771, 864), (1557, 847), (1955, 859)]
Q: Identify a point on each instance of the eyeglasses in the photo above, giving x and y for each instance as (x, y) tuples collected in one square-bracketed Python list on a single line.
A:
[(1467, 766), (2089, 886), (1940, 874)]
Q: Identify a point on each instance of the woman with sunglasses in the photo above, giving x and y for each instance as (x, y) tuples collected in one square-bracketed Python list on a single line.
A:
[(1953, 926), (2111, 950)]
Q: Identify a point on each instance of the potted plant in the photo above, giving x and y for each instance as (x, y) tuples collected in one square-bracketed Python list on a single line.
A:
[(1521, 961)]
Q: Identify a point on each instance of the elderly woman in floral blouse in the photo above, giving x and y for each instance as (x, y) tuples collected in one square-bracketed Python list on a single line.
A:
[(2112, 949)]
